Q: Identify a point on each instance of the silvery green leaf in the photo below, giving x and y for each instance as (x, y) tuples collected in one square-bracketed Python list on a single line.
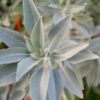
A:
[(10, 79), (7, 74), (35, 85), (83, 56), (70, 52), (57, 18), (48, 9), (77, 8), (25, 66), (31, 14), (91, 77), (52, 87), (68, 84), (75, 70), (58, 84), (73, 73), (36, 68), (28, 44), (94, 45), (3, 93), (23, 83), (84, 18), (12, 55), (37, 36), (60, 28), (84, 25), (65, 44), (44, 82), (81, 28), (59, 32), (85, 68), (55, 85), (11, 38)]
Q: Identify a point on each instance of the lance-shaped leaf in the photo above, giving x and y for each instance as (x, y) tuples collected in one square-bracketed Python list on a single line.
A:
[(95, 45), (59, 32), (37, 36), (55, 85), (71, 51), (84, 25), (29, 44), (52, 88), (44, 82), (59, 28), (35, 85), (76, 72), (68, 80), (7, 74), (31, 14), (77, 8), (48, 9), (92, 76), (57, 18), (83, 56), (80, 27), (12, 55), (85, 68), (65, 44), (73, 73), (58, 84), (25, 66), (11, 38)]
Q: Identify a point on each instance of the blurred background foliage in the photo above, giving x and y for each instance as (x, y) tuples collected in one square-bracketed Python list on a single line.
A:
[(11, 17)]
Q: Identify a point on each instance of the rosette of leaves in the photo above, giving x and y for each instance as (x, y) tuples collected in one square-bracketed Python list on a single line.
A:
[(80, 21), (47, 61)]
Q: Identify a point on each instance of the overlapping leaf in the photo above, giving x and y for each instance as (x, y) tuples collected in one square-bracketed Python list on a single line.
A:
[(12, 55), (24, 66), (31, 15), (7, 74), (11, 38), (49, 59)]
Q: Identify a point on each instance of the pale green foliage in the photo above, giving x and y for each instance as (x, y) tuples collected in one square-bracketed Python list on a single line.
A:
[(82, 22), (8, 74), (52, 62)]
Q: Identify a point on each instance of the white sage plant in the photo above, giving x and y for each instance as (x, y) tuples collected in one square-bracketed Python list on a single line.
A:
[(47, 65)]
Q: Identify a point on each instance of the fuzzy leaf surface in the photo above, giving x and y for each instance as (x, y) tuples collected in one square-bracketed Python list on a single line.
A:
[(12, 55)]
